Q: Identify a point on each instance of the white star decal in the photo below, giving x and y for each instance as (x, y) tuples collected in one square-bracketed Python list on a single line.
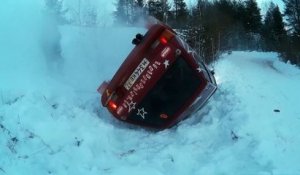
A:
[(131, 106), (167, 63), (189, 49), (199, 69), (142, 113)]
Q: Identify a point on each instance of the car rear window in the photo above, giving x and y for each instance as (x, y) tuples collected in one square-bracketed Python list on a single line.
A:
[(175, 87)]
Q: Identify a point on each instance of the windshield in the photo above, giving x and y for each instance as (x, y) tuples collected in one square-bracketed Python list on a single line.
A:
[(175, 87)]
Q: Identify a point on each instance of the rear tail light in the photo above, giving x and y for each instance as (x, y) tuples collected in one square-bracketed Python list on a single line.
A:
[(163, 40), (166, 36), (112, 105), (111, 102)]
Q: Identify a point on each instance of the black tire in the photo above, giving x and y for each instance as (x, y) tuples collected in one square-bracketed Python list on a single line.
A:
[(135, 41), (139, 36)]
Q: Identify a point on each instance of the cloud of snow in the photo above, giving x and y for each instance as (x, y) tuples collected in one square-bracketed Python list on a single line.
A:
[(20, 56), (85, 12), (30, 44)]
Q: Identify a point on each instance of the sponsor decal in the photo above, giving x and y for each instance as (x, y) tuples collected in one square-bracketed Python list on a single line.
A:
[(140, 85), (165, 52), (130, 105), (136, 73), (199, 69), (142, 113), (166, 63)]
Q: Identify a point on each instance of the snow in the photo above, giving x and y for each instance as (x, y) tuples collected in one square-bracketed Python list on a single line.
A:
[(51, 121), (263, 85)]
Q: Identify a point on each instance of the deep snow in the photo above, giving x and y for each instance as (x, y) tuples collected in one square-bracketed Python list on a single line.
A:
[(51, 121)]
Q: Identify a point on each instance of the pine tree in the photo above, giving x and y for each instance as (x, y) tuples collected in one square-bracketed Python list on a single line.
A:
[(252, 17), (195, 28), (167, 15), (120, 13), (55, 8), (273, 29), (160, 9), (125, 12), (139, 11), (140, 3), (226, 13), (91, 17), (180, 13), (202, 31), (226, 23), (292, 12), (155, 9), (252, 25), (238, 36)]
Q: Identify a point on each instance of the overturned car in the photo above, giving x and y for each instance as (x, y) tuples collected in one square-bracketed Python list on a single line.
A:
[(161, 82)]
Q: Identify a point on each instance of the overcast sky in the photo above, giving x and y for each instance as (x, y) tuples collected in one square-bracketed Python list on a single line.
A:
[(265, 3)]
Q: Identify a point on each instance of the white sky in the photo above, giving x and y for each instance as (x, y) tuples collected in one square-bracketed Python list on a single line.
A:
[(265, 3)]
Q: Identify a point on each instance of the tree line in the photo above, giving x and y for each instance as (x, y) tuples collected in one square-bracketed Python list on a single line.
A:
[(215, 27)]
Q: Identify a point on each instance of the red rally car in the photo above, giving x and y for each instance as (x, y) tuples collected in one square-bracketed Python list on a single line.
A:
[(161, 82)]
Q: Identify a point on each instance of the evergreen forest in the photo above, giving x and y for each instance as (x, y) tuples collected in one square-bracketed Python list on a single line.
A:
[(215, 27)]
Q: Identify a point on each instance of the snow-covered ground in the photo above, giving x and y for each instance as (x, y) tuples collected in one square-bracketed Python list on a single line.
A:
[(51, 121)]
